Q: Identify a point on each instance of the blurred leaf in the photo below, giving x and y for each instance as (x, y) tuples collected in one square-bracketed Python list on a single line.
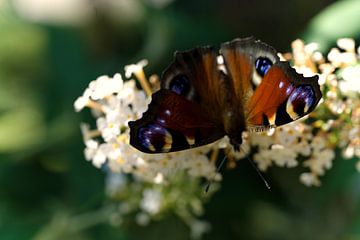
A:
[(21, 129), (339, 20), (22, 50), (66, 226)]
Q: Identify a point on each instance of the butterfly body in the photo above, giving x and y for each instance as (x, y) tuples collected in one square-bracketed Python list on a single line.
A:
[(206, 94)]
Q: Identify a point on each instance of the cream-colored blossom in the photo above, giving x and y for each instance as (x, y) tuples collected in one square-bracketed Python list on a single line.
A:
[(105, 86), (135, 68), (82, 101), (310, 179), (91, 149), (346, 44), (351, 80), (151, 201)]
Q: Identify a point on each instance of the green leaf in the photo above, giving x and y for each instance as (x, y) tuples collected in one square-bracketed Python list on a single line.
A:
[(339, 20)]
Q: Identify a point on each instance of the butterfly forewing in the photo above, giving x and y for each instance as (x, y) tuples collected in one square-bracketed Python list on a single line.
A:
[(194, 75), (185, 112), (240, 57)]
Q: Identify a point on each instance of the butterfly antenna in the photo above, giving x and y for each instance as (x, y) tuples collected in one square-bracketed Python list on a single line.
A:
[(257, 170), (210, 181)]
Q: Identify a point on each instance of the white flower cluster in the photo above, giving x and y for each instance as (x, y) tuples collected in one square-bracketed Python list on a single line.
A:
[(285, 147), (338, 116), (115, 103), (150, 201)]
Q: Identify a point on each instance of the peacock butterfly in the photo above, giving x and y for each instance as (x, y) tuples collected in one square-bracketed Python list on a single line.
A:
[(206, 94)]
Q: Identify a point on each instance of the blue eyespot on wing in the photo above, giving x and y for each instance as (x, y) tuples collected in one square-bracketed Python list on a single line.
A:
[(173, 123), (194, 74), (180, 84), (155, 138), (262, 65)]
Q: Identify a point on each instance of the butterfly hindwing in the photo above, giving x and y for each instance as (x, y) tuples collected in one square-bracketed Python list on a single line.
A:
[(172, 123), (283, 96)]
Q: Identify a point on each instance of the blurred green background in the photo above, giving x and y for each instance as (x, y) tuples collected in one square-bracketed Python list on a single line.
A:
[(50, 50)]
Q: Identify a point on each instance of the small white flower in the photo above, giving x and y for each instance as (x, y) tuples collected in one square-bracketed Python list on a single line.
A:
[(309, 179), (263, 158), (303, 148), (101, 155), (223, 143), (311, 48), (283, 156), (200, 166), (82, 101), (334, 57), (318, 143), (320, 161), (91, 149), (151, 201), (105, 86), (304, 70), (140, 103), (347, 44), (261, 140), (339, 59), (349, 152), (135, 68), (287, 135), (351, 80), (318, 57), (109, 126), (270, 132), (127, 93), (159, 178)]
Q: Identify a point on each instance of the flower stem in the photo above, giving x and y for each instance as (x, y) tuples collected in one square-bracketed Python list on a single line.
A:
[(214, 155), (140, 75), (94, 105)]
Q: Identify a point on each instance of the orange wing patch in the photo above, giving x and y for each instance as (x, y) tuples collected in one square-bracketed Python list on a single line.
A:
[(274, 89), (240, 70)]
